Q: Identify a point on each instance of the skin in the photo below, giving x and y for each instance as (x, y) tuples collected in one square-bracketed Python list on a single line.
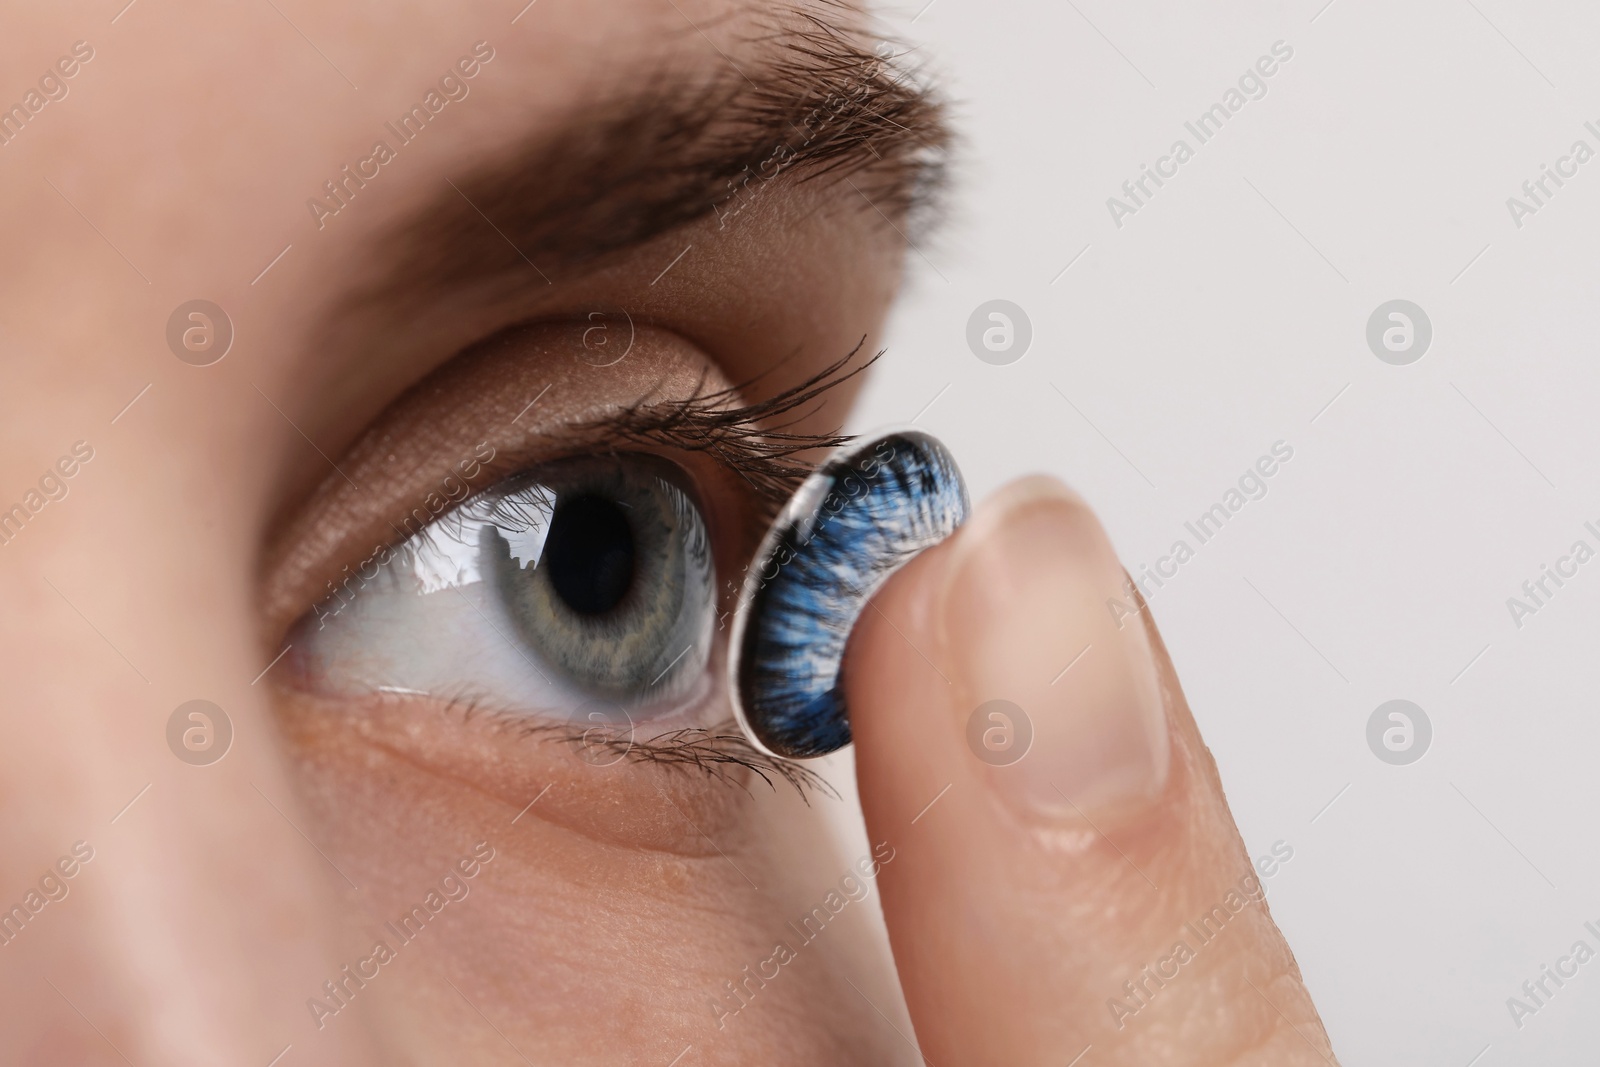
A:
[(211, 517)]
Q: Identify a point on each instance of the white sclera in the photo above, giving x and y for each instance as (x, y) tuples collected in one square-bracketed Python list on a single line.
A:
[(431, 619), (430, 623)]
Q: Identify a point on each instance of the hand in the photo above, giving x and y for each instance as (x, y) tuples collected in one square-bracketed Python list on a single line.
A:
[(1091, 898)]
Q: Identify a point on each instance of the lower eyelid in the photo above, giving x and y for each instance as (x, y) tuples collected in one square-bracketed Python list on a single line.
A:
[(667, 795)]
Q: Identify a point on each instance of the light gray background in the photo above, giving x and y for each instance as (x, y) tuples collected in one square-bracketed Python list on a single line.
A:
[(1228, 314)]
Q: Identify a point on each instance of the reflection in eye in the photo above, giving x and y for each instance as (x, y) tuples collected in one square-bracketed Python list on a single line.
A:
[(583, 580)]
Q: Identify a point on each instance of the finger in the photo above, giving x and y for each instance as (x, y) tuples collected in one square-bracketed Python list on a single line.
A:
[(1094, 893)]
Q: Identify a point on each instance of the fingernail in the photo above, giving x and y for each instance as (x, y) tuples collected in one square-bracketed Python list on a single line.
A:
[(1062, 703)]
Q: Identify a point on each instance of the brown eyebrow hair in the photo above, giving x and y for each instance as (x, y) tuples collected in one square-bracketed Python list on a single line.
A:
[(638, 165)]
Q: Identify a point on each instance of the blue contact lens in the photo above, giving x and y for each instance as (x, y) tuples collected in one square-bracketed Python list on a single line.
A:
[(859, 518)]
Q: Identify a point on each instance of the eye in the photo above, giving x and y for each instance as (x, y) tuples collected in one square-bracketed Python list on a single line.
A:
[(583, 582)]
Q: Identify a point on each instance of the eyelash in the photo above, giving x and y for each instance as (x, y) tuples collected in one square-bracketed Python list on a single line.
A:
[(744, 439), (713, 752)]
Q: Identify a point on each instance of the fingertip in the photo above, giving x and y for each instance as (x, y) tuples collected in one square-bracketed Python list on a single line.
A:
[(1027, 751), (895, 687)]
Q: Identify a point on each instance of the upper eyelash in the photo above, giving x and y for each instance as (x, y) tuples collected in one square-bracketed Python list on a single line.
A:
[(742, 437), (738, 436), (506, 512)]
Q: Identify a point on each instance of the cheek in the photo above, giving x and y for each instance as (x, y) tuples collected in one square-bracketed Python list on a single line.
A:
[(388, 757), (649, 871)]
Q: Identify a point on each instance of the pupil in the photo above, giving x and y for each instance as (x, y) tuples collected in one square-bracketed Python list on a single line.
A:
[(589, 553)]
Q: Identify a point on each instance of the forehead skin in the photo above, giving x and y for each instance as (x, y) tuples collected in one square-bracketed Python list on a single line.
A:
[(192, 140), (177, 167), (181, 162)]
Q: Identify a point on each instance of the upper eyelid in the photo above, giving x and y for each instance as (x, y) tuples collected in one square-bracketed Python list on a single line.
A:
[(756, 441), (412, 523), (735, 437)]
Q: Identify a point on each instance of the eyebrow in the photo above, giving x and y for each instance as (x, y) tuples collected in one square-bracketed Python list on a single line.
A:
[(682, 148)]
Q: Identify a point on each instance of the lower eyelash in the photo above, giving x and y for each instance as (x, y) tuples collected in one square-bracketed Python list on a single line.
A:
[(861, 517), (715, 752)]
